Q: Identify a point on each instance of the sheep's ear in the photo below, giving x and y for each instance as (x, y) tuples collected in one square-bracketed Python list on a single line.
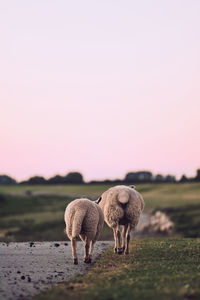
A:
[(98, 200)]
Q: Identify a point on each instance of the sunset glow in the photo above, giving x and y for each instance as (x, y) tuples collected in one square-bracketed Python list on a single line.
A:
[(101, 87)]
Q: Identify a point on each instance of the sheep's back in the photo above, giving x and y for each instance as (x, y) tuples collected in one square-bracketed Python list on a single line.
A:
[(81, 217), (116, 212), (134, 208), (91, 221)]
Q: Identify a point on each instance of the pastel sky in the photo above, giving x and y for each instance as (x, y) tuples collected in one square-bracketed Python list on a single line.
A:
[(102, 87)]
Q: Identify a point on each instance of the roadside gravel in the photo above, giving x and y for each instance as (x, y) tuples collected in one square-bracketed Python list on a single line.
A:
[(26, 269)]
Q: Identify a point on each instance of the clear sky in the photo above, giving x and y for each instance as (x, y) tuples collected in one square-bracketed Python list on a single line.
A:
[(101, 87)]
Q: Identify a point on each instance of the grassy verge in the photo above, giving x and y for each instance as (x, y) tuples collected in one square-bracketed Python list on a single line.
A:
[(35, 218), (26, 218), (159, 269), (186, 219), (155, 195)]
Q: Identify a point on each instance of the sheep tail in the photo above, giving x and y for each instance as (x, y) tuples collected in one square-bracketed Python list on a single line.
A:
[(77, 222), (123, 197)]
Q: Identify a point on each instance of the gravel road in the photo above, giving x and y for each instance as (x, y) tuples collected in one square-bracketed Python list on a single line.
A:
[(26, 269)]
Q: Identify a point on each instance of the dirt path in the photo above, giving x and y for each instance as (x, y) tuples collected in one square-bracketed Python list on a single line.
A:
[(27, 269)]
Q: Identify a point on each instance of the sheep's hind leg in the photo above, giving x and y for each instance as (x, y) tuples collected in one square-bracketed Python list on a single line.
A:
[(74, 255), (117, 236), (124, 229), (91, 250), (115, 239), (127, 239), (87, 258)]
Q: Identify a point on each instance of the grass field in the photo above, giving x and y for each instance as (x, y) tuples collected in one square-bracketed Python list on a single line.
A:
[(155, 195), (159, 269), (36, 212)]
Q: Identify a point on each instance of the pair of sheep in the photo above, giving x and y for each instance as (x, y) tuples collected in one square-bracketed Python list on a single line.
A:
[(119, 206)]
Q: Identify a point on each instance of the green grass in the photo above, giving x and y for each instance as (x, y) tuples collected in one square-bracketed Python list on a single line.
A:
[(94, 191), (159, 269), (36, 212), (162, 195), (170, 195), (186, 219), (37, 217), (26, 218), (18, 205)]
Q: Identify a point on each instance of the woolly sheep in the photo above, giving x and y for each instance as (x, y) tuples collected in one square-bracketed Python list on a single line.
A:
[(84, 218), (160, 222), (121, 206)]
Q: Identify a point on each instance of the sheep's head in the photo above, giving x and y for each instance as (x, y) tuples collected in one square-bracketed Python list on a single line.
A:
[(98, 200)]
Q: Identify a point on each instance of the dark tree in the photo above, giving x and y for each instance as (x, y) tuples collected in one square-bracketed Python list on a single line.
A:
[(170, 178), (197, 178), (74, 177), (4, 179), (36, 180), (57, 179), (142, 176), (159, 178), (184, 178)]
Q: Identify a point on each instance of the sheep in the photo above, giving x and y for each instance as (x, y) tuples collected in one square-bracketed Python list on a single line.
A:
[(160, 222), (121, 206), (84, 218)]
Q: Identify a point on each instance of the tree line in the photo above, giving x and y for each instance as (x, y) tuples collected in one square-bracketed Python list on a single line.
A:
[(77, 178)]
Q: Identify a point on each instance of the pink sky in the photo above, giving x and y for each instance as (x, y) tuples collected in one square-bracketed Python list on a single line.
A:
[(103, 88)]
